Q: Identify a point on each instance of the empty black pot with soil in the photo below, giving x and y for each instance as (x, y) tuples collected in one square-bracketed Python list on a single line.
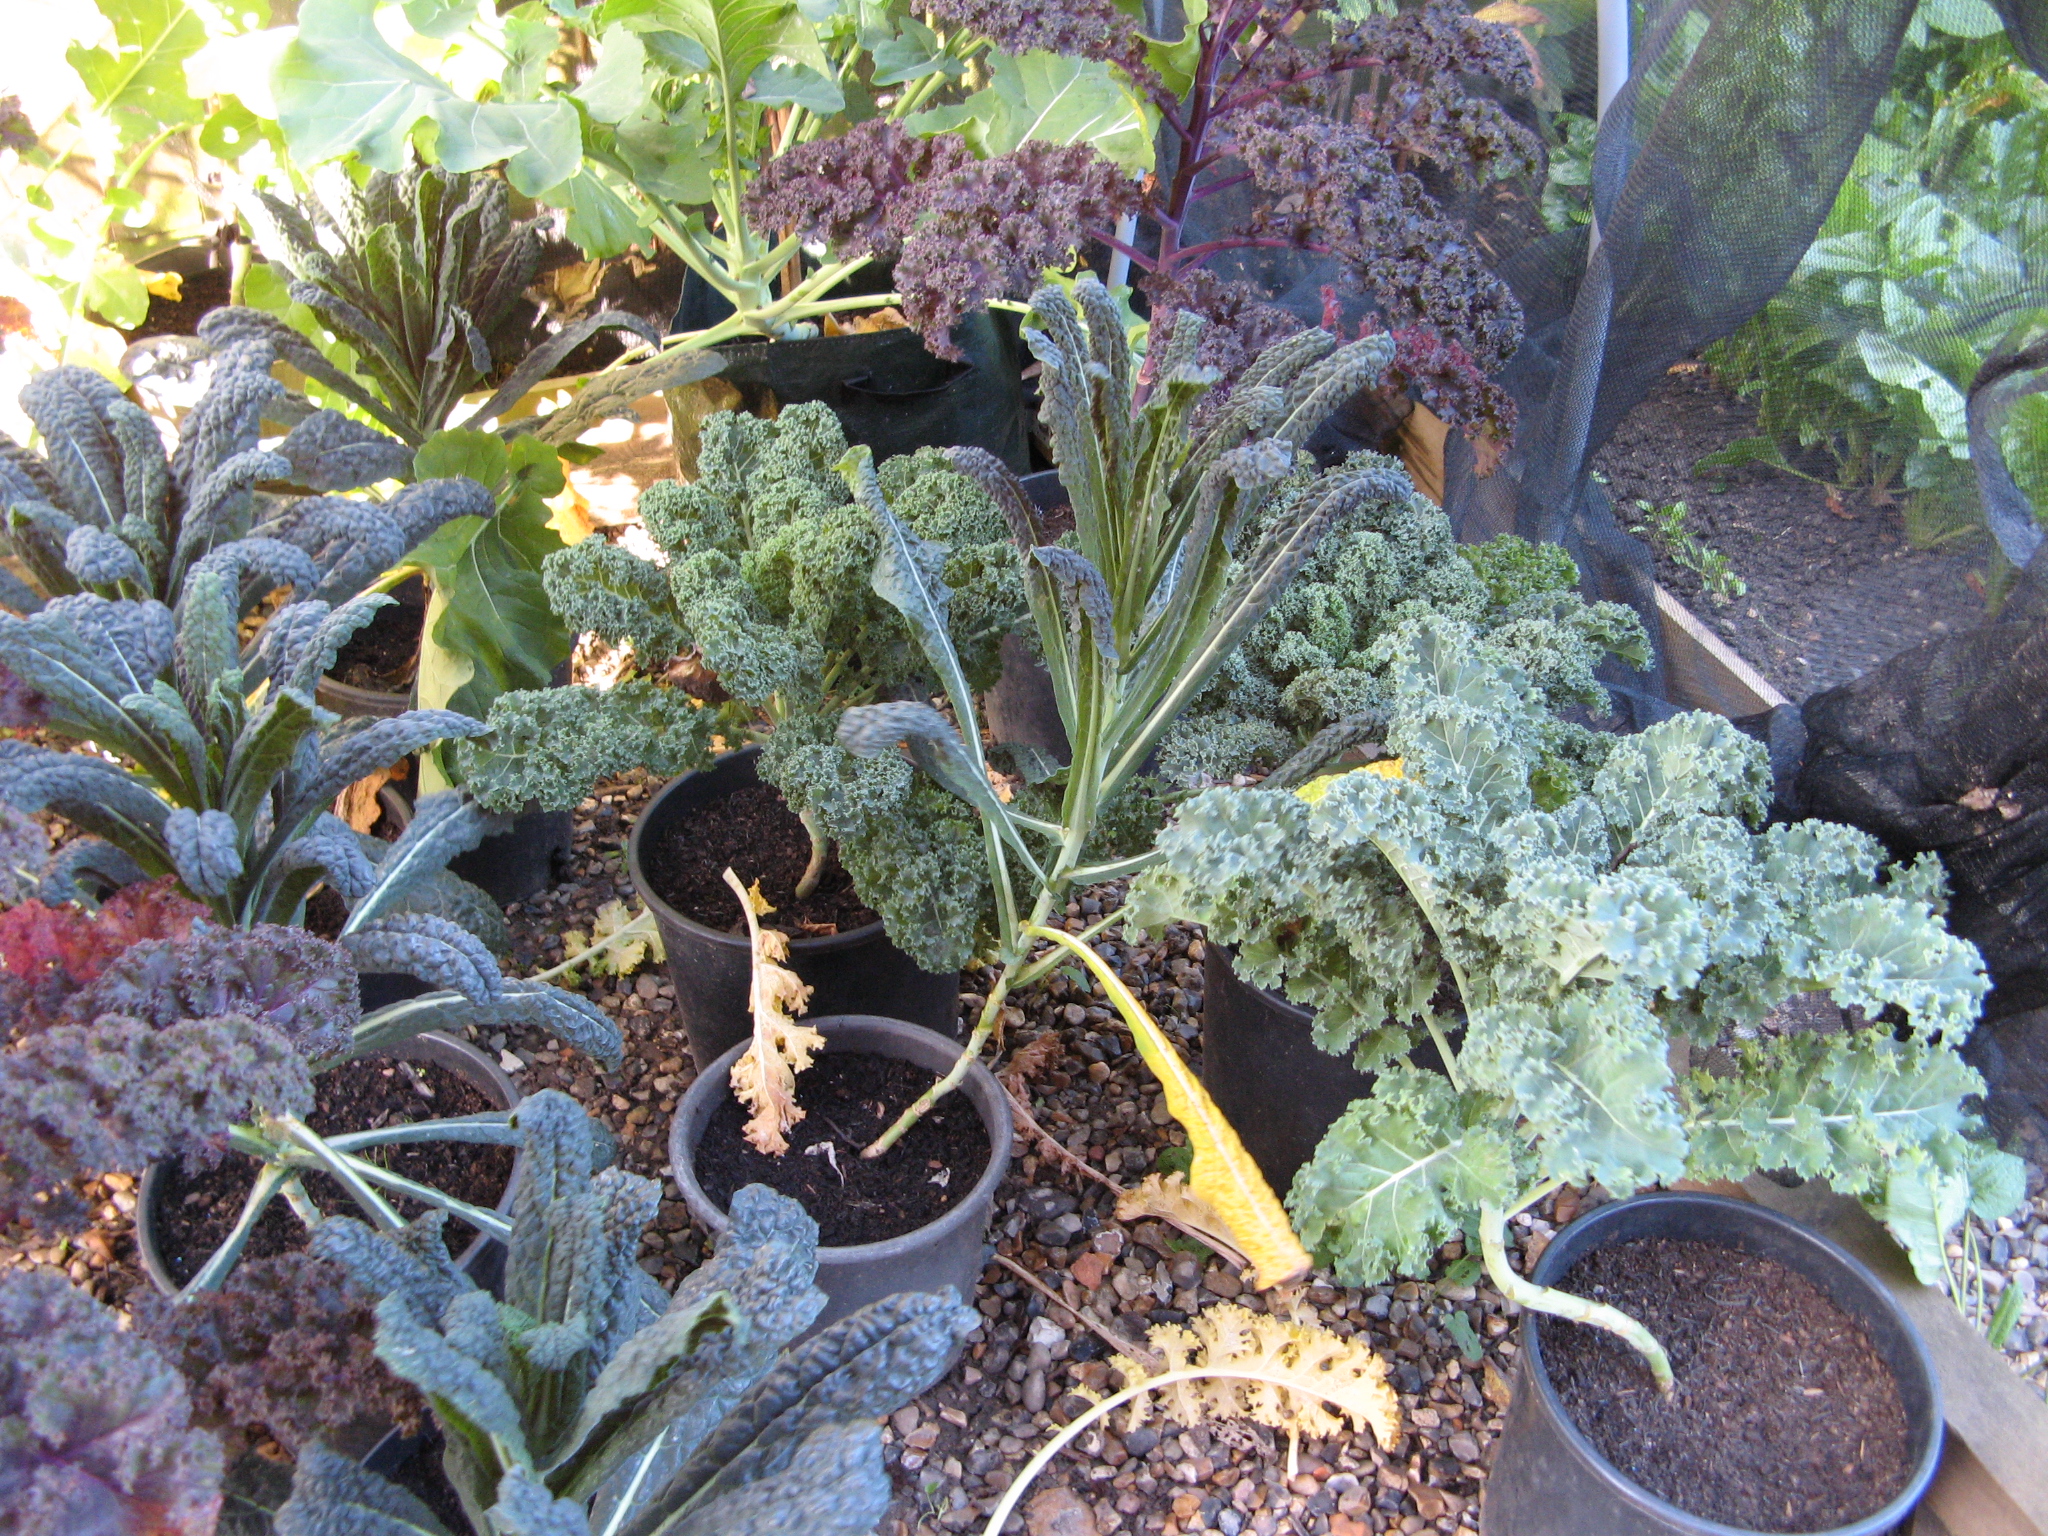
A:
[(1262, 1066), (173, 1248), (675, 857), (913, 1219), (1805, 1401)]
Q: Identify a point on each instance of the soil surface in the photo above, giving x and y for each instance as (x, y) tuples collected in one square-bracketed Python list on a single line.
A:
[(848, 1100), (384, 653), (1831, 592), (760, 838), (1784, 1416), (199, 1208)]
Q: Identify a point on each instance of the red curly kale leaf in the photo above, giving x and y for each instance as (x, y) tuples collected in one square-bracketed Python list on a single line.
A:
[(287, 1346), (961, 231), (95, 1431), (119, 1094), (35, 939)]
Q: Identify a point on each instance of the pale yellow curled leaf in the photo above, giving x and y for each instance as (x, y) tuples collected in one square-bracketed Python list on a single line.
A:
[(636, 936), (1167, 1198), (1296, 1377), (1316, 788), (1223, 1174), (764, 1078)]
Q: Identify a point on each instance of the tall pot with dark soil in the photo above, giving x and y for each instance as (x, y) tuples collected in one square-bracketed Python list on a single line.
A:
[(1261, 1064), (1803, 1399), (725, 815), (913, 1219), (183, 1214)]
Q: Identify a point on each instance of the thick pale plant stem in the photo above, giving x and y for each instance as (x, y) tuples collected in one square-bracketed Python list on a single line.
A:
[(1541, 1298), (816, 867)]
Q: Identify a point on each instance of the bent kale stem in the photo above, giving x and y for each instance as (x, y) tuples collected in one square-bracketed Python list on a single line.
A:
[(1577, 1309), (808, 883)]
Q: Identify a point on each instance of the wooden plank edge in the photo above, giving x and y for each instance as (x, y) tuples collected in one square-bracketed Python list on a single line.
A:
[(1702, 671)]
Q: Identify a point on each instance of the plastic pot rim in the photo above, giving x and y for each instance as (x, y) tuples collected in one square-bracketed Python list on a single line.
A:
[(1589, 1230), (151, 1254), (636, 871), (973, 1206)]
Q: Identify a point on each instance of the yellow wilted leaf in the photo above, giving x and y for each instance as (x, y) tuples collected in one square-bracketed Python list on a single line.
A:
[(168, 286), (1223, 1175), (1315, 789), (764, 1078), (1168, 1197), (1299, 1378)]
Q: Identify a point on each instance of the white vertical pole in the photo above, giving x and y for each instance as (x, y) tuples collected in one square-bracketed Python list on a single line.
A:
[(1612, 19), (1611, 22)]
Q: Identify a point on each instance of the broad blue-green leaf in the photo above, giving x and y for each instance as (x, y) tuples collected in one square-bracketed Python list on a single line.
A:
[(342, 89), (784, 84), (617, 88), (1400, 1173), (1052, 98), (139, 81)]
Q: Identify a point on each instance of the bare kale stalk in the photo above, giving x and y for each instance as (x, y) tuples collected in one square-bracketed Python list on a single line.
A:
[(1318, 133)]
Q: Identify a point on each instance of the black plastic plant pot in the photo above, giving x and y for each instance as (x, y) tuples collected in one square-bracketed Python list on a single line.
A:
[(1261, 1065), (858, 972), (483, 1259), (1547, 1478), (526, 858), (949, 1251)]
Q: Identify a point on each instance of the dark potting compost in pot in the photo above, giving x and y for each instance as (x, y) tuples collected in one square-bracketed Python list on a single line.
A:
[(384, 653), (755, 834), (1784, 1417), (198, 1207), (849, 1099)]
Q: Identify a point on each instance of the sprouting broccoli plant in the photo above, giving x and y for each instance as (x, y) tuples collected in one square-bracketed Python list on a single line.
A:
[(234, 765), (422, 275), (1327, 650), (767, 582), (285, 1348), (193, 1045), (1585, 940), (105, 510), (96, 1429), (588, 1387)]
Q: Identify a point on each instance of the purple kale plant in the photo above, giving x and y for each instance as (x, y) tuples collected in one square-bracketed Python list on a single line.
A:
[(95, 1425), (119, 1094), (1328, 139), (286, 1347)]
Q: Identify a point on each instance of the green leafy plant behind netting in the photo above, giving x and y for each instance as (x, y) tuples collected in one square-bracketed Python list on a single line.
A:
[(1929, 263)]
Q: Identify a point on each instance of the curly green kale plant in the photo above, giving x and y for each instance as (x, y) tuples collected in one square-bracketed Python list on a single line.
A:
[(588, 1393), (1160, 584), (96, 1430), (234, 765), (1326, 653), (105, 510), (767, 582), (188, 1046), (1585, 940)]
